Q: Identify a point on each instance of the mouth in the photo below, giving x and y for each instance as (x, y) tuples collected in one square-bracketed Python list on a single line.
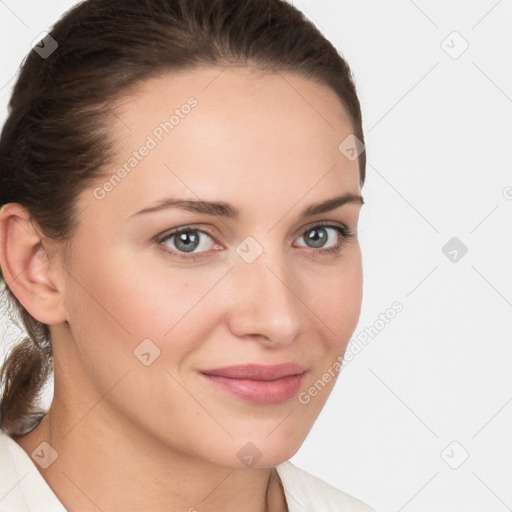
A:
[(259, 384)]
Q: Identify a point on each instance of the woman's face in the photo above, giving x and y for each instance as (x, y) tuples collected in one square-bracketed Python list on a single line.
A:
[(150, 313)]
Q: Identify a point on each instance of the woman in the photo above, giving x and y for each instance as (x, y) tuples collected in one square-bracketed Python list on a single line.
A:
[(181, 189)]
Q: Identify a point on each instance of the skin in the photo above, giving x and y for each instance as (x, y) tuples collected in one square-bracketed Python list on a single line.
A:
[(166, 438)]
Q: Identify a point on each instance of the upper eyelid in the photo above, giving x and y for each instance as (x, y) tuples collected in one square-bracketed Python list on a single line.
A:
[(325, 223)]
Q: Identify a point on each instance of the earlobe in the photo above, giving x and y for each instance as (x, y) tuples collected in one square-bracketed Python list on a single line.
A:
[(26, 266)]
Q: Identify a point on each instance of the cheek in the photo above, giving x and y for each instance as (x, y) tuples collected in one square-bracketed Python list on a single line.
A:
[(337, 309), (121, 308), (334, 301), (120, 298), (337, 296)]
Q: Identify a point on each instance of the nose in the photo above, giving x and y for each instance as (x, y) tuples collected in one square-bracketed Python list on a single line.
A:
[(267, 303)]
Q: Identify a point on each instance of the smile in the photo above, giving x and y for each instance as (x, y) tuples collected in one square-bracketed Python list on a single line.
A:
[(259, 384)]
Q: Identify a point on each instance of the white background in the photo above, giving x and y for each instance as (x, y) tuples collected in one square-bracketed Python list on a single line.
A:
[(438, 131)]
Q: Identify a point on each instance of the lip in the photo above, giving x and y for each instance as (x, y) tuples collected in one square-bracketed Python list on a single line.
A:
[(263, 384)]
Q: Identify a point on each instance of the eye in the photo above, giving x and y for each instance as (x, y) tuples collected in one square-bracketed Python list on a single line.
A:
[(327, 238), (186, 240), (191, 243)]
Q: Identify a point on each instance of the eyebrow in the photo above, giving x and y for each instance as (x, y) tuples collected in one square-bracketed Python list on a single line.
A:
[(229, 211)]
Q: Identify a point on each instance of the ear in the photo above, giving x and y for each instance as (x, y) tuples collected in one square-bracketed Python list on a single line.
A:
[(26, 266)]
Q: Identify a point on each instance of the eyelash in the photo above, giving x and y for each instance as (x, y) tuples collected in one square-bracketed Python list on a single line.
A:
[(345, 233)]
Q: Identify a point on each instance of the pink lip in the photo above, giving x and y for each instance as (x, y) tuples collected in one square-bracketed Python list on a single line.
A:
[(259, 383)]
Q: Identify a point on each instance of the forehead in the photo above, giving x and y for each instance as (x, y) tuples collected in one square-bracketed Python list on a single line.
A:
[(211, 127)]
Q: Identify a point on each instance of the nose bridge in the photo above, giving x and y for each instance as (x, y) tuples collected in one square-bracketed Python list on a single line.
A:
[(266, 302)]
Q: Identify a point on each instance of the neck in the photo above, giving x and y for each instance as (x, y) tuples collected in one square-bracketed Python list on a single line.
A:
[(105, 464)]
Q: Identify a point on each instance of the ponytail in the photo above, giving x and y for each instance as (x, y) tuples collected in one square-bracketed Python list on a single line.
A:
[(23, 375)]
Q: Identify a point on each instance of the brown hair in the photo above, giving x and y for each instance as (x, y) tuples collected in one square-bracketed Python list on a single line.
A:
[(55, 141)]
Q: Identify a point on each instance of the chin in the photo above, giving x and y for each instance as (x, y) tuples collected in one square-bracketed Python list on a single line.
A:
[(267, 452), (251, 451)]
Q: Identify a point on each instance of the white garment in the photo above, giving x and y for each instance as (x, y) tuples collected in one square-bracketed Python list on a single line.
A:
[(23, 489)]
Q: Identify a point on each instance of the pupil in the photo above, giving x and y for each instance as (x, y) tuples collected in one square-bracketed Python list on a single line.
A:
[(189, 241), (317, 236)]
